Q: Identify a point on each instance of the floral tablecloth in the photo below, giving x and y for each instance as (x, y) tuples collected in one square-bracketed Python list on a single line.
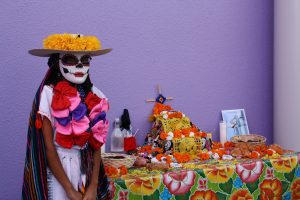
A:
[(276, 178)]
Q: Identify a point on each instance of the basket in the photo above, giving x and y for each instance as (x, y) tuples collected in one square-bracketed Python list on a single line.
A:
[(117, 160), (253, 139)]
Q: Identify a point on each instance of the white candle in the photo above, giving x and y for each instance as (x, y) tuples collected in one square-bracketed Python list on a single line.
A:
[(223, 135)]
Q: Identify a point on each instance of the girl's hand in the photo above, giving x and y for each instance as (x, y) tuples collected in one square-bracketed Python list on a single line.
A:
[(74, 195), (90, 193)]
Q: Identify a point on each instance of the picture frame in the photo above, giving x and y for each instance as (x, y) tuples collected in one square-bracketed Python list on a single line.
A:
[(236, 122)]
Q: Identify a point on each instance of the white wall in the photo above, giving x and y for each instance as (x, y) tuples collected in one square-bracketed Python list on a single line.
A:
[(287, 73)]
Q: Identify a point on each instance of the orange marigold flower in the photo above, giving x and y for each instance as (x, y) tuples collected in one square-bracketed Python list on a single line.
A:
[(123, 170), (204, 156), (163, 135), (228, 144), (159, 156), (177, 134), (217, 145), (255, 154)]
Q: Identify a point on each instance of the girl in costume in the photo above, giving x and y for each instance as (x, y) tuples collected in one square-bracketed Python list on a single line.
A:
[(67, 125)]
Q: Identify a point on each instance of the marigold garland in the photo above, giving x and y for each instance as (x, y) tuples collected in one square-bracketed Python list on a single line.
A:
[(72, 42)]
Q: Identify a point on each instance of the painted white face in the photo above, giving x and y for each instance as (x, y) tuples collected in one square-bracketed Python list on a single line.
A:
[(74, 67)]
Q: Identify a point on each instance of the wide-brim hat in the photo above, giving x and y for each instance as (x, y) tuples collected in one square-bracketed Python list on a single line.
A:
[(70, 43)]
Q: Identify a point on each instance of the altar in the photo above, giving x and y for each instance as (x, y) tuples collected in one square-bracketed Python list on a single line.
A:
[(274, 178)]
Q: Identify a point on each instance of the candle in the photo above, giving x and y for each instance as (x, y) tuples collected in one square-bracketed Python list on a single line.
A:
[(223, 135)]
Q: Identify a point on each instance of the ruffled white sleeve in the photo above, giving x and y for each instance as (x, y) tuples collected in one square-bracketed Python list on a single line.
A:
[(45, 103), (98, 92)]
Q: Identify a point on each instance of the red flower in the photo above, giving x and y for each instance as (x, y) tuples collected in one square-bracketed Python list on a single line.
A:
[(112, 189), (61, 91), (296, 189), (203, 184), (92, 100), (270, 173), (123, 194)]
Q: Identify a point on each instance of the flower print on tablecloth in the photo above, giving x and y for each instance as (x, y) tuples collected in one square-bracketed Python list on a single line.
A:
[(269, 173), (270, 189), (165, 195), (284, 164), (145, 184), (202, 184), (298, 172), (112, 189), (123, 195), (218, 173), (241, 194), (249, 172), (204, 195), (295, 188), (237, 183), (179, 182)]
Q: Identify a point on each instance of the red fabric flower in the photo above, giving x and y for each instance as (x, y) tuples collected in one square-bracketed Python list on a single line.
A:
[(61, 91), (67, 141), (95, 144), (91, 100)]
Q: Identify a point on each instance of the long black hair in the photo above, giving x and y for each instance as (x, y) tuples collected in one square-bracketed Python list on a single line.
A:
[(55, 75)]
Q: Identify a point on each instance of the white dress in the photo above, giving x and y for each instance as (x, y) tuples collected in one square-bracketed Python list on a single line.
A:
[(69, 158)]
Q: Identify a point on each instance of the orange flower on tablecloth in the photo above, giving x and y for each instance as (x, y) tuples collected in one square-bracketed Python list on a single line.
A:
[(284, 164), (295, 189), (270, 189), (205, 195), (218, 173), (142, 184), (163, 135), (241, 194)]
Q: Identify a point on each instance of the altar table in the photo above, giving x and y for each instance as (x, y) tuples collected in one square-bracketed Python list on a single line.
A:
[(275, 178)]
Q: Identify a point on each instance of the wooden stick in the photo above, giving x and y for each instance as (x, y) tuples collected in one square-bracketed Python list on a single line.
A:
[(159, 89), (150, 100)]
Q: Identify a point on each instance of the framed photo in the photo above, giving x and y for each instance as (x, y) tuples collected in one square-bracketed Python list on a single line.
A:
[(236, 122)]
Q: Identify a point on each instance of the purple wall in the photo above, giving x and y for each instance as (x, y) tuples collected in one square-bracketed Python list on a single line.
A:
[(209, 55)]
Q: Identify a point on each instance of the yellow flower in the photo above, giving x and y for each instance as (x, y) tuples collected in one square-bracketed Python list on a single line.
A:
[(142, 184), (72, 42)]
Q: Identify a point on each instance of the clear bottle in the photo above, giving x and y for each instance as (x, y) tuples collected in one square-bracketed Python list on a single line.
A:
[(117, 138)]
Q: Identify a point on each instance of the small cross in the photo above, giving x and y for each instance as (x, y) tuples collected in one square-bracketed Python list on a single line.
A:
[(160, 98)]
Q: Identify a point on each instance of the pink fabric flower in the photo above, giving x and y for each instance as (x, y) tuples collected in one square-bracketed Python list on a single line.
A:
[(249, 172), (100, 130), (179, 182), (76, 127), (100, 107)]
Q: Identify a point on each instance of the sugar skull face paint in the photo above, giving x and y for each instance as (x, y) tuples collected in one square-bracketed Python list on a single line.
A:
[(74, 67)]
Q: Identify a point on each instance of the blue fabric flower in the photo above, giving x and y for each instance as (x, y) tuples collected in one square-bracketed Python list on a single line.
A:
[(238, 183), (165, 195), (298, 172), (287, 196)]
